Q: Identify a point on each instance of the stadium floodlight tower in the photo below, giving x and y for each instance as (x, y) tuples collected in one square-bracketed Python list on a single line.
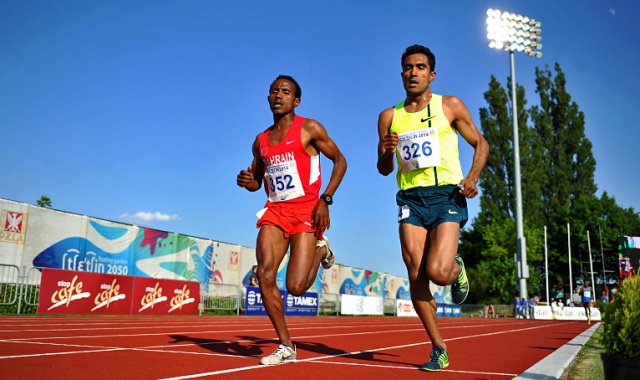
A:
[(511, 32)]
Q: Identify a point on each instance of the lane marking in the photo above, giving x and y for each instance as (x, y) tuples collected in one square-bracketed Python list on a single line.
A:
[(239, 369)]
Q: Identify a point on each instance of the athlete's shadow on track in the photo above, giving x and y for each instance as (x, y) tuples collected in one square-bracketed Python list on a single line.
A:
[(251, 346), (369, 356), (227, 347)]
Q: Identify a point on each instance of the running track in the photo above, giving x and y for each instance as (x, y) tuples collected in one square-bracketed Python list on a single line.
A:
[(229, 347)]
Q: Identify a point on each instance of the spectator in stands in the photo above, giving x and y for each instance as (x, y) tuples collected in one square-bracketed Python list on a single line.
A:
[(524, 308), (604, 297), (530, 306), (517, 307), (253, 280), (554, 305), (559, 291), (286, 157)]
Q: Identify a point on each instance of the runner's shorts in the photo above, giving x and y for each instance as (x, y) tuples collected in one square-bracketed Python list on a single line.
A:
[(291, 218), (428, 207)]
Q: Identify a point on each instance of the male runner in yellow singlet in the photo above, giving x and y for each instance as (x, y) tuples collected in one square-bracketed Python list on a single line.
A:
[(422, 133)]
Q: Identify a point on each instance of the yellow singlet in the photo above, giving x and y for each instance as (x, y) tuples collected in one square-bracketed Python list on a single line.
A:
[(427, 154)]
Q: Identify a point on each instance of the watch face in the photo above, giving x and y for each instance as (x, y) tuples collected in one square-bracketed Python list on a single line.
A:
[(328, 199)]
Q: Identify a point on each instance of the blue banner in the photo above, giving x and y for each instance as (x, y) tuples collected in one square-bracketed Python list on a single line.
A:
[(304, 305)]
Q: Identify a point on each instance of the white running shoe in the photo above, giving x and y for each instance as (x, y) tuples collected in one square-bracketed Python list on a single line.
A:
[(283, 354), (330, 256)]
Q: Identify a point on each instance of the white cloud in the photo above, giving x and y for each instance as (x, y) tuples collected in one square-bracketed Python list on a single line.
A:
[(147, 217)]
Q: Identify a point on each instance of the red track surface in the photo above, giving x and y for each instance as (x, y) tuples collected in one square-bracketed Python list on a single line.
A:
[(221, 347)]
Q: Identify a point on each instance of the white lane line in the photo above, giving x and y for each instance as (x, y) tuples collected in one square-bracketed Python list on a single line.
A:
[(245, 368), (199, 332), (413, 368), (154, 348)]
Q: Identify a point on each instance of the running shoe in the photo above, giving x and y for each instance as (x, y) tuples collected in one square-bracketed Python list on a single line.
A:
[(330, 256), (284, 354), (460, 288), (439, 360)]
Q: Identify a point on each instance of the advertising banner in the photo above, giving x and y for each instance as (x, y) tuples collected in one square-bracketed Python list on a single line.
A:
[(304, 305), (404, 308), (68, 292), (542, 312), (169, 297), (71, 292), (568, 313), (361, 305), (628, 256), (253, 302)]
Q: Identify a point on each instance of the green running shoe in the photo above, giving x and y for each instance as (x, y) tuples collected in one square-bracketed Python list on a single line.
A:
[(439, 360), (460, 288)]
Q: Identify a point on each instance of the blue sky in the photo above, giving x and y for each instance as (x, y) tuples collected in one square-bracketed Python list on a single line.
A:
[(144, 112)]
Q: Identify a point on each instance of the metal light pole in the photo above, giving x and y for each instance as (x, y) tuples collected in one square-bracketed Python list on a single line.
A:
[(593, 283), (604, 275), (512, 32)]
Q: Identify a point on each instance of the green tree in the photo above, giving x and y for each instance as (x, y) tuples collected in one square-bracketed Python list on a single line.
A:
[(568, 194), (557, 177), (44, 201)]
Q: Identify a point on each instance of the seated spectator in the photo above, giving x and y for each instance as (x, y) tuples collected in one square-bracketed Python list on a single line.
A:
[(604, 297)]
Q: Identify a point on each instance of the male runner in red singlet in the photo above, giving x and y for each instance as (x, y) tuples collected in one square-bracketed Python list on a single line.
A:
[(286, 157)]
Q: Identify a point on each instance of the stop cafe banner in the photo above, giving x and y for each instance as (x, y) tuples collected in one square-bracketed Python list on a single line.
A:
[(71, 292)]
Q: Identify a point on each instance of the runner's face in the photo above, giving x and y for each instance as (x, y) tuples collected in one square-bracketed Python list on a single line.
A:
[(416, 74), (282, 98)]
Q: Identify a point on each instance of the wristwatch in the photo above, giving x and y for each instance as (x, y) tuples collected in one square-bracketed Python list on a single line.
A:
[(328, 199)]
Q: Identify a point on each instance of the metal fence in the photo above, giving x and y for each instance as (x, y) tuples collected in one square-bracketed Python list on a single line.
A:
[(19, 289), (474, 311), (9, 275), (329, 304), (215, 297)]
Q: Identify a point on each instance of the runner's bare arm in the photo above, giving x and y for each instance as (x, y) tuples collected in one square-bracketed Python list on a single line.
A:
[(460, 118), (251, 178), (387, 142), (318, 138)]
